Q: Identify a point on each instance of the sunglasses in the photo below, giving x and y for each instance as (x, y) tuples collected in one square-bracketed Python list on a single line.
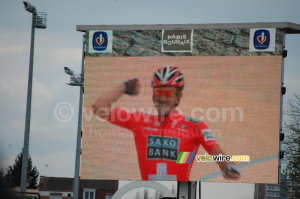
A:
[(168, 93)]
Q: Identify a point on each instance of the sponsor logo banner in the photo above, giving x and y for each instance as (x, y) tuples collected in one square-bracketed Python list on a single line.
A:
[(262, 39), (177, 41), (100, 41), (162, 148)]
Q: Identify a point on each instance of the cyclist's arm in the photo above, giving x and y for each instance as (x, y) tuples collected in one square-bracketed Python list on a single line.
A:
[(226, 166), (102, 107), (213, 148)]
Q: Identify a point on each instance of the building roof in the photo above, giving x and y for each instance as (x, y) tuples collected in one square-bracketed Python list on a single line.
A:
[(56, 184), (99, 184), (66, 184)]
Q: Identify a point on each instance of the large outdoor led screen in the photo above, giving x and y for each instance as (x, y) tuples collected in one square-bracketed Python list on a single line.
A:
[(237, 97)]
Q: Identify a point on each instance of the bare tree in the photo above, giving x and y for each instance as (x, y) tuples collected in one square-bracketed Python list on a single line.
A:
[(174, 190), (292, 143), (146, 194), (138, 195)]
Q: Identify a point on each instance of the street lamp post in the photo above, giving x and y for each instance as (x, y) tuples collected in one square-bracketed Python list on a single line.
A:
[(78, 80), (38, 21)]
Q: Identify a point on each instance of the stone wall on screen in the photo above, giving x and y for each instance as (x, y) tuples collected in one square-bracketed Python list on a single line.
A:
[(206, 42)]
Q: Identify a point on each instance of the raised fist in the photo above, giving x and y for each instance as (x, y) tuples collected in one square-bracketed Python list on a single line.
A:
[(132, 87)]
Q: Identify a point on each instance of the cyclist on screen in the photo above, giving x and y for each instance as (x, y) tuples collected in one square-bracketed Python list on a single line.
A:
[(159, 139)]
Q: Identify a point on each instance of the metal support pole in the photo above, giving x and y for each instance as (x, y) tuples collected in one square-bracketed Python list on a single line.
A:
[(281, 112), (78, 144), (28, 112)]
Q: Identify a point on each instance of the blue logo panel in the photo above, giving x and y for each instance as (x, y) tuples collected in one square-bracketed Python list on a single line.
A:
[(100, 41), (261, 39)]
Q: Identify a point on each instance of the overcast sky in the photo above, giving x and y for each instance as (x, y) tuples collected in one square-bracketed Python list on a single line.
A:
[(53, 142)]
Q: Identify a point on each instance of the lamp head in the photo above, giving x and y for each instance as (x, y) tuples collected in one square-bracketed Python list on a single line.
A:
[(68, 71), (30, 8)]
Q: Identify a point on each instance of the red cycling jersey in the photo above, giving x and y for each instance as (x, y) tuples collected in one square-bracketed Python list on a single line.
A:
[(160, 140)]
